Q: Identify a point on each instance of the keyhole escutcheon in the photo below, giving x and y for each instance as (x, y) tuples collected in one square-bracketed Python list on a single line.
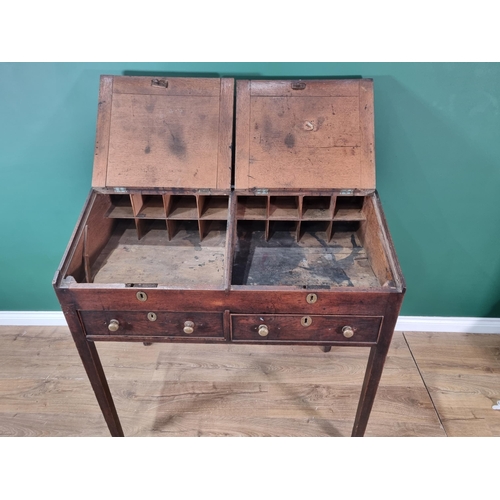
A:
[(311, 298), (306, 321)]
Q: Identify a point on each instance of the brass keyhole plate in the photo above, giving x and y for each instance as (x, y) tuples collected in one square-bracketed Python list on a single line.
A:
[(152, 316), (311, 298), (141, 296), (306, 321)]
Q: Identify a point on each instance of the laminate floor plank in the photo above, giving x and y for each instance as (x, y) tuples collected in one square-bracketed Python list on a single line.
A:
[(204, 390), (462, 373)]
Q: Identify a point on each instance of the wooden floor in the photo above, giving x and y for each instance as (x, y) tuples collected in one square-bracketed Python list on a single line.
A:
[(433, 385)]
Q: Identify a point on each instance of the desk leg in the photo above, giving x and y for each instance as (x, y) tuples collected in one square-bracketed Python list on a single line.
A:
[(373, 373), (92, 364), (374, 368)]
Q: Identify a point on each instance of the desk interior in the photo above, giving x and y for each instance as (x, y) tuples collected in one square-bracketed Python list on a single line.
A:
[(312, 262)]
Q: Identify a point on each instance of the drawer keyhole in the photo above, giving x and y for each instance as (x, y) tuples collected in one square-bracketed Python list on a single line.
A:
[(141, 296), (311, 298), (306, 321)]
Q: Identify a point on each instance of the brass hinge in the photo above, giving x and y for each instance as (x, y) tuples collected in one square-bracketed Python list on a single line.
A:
[(298, 85), (159, 82)]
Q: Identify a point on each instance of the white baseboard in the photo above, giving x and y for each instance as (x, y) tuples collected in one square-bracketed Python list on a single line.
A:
[(404, 324), (447, 324), (32, 318)]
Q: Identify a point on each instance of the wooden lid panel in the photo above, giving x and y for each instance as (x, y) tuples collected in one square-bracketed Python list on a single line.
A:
[(305, 135), (164, 132)]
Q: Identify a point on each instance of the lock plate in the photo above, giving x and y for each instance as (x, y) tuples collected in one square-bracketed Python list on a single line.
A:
[(311, 298), (306, 321)]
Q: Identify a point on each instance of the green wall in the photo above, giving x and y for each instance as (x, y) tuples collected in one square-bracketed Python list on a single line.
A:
[(438, 171)]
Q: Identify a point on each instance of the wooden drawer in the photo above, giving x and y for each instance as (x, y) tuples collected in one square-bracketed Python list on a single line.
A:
[(301, 328), (166, 324)]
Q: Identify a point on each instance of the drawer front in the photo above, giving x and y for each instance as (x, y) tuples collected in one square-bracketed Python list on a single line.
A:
[(165, 324), (301, 328)]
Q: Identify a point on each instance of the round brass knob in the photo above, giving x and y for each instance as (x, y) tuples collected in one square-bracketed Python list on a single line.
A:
[(188, 327), (113, 325), (348, 332), (263, 331)]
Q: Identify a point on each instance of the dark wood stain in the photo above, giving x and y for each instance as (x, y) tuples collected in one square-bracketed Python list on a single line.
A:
[(290, 141), (176, 142)]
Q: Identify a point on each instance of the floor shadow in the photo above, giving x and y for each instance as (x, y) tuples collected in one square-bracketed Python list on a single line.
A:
[(209, 393)]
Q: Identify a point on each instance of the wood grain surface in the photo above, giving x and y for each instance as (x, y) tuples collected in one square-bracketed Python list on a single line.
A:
[(462, 373), (229, 390), (319, 135), (175, 134)]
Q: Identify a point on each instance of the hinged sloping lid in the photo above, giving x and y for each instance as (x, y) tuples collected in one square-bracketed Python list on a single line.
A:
[(164, 132), (311, 134)]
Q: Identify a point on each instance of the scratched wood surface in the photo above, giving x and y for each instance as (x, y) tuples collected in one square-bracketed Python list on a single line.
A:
[(182, 261), (318, 136), (174, 135), (204, 390), (312, 260)]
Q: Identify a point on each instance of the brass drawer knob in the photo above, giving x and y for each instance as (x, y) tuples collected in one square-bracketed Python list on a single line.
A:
[(348, 332), (113, 325), (263, 331), (188, 327)]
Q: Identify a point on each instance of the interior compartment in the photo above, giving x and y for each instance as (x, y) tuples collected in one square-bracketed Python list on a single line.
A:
[(316, 207), (284, 207), (148, 206), (349, 208), (313, 253), (173, 252), (311, 262), (190, 246), (120, 206), (183, 207), (181, 261), (213, 207), (252, 207)]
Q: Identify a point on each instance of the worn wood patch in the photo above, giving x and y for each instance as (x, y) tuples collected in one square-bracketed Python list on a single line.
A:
[(183, 261), (311, 262), (165, 141), (318, 136)]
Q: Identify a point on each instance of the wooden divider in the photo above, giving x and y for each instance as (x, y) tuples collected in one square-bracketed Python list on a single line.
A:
[(169, 207), (301, 209)]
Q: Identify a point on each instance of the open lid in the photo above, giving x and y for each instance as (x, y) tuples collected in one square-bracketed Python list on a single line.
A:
[(312, 134), (164, 133)]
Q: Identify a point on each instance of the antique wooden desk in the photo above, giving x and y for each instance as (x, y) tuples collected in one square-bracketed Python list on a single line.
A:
[(257, 226)]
